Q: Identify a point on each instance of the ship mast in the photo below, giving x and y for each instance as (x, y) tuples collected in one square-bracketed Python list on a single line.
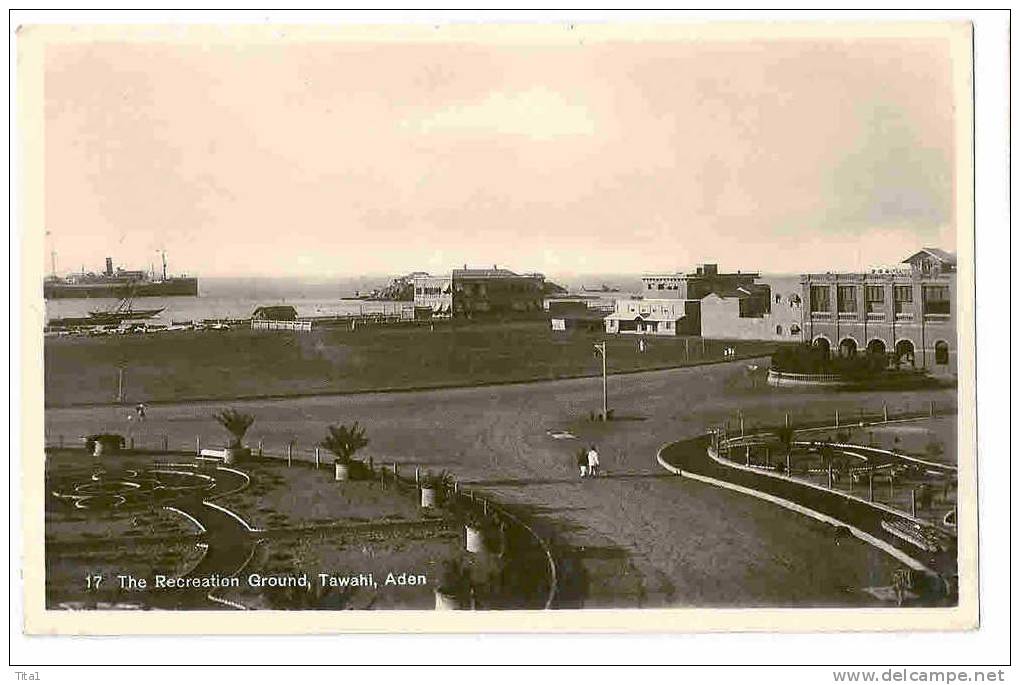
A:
[(163, 252)]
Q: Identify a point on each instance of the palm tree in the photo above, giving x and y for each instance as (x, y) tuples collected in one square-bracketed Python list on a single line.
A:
[(236, 423), (344, 441), (785, 436)]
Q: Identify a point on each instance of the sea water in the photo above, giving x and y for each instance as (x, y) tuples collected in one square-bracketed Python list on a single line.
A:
[(237, 298)]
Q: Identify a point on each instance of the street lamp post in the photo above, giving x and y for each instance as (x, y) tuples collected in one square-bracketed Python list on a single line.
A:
[(601, 349)]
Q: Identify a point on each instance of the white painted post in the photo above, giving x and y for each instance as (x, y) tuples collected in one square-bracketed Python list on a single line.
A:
[(260, 448), (787, 419), (316, 457), (290, 452), (837, 418), (198, 446), (885, 412), (913, 502), (740, 414), (417, 476)]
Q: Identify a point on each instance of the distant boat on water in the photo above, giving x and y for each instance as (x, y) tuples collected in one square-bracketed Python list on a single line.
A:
[(118, 283)]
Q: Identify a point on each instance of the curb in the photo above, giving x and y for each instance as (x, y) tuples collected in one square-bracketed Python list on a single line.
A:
[(881, 545)]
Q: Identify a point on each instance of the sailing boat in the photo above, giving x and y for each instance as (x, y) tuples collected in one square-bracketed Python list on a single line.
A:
[(122, 312)]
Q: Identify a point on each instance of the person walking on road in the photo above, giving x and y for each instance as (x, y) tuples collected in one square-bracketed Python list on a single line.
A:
[(140, 411), (582, 462), (593, 462)]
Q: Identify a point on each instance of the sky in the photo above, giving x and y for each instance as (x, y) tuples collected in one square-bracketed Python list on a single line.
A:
[(337, 159)]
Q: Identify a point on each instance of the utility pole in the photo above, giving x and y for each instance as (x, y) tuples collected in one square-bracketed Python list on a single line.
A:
[(601, 349)]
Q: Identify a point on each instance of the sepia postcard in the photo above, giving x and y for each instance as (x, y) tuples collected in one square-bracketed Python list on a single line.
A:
[(481, 328)]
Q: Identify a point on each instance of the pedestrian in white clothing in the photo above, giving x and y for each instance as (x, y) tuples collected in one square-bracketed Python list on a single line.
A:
[(593, 462)]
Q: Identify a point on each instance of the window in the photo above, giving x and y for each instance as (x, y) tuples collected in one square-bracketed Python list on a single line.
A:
[(779, 329), (874, 298), (846, 298), (820, 298), (903, 297), (942, 352), (936, 299), (779, 298)]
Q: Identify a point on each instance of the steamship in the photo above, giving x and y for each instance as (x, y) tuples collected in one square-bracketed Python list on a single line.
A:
[(119, 283)]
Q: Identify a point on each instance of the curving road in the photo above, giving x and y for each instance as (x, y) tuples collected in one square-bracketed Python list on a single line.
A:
[(637, 537)]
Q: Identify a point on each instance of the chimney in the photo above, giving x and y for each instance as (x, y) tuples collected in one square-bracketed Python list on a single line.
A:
[(109, 266)]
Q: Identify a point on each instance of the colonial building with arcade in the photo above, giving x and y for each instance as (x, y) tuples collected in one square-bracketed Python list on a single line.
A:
[(907, 314)]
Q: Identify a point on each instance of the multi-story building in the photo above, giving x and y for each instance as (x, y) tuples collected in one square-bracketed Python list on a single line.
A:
[(470, 292), (907, 314), (670, 304), (693, 285), (769, 310), (496, 291), (654, 316)]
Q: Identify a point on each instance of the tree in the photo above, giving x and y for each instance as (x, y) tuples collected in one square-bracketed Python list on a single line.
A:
[(236, 423), (344, 441)]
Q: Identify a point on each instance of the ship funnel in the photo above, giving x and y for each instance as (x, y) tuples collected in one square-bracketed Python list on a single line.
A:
[(109, 266)]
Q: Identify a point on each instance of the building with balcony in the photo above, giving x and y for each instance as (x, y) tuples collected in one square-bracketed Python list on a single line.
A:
[(658, 316), (433, 296), (907, 314)]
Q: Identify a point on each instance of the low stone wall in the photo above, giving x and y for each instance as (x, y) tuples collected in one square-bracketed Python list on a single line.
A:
[(782, 379)]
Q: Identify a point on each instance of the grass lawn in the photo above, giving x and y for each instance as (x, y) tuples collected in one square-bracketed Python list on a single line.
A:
[(411, 553), (240, 363), (284, 497), (66, 571)]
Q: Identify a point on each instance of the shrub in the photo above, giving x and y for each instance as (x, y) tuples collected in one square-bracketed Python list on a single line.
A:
[(810, 359), (344, 441), (236, 423)]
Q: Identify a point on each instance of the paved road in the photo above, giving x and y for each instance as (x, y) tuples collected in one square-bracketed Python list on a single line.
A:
[(637, 537)]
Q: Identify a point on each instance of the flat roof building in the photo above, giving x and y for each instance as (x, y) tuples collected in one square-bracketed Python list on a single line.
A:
[(907, 314)]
